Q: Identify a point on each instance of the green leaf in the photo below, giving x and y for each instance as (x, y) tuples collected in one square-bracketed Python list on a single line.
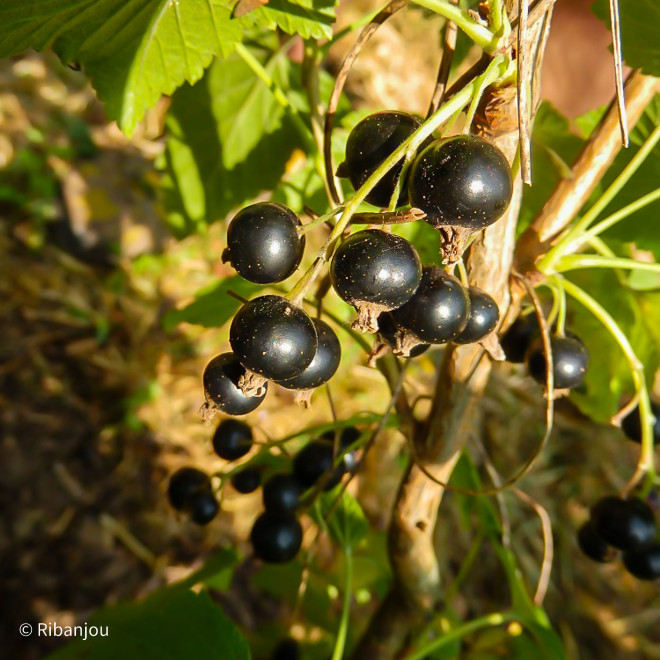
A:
[(639, 32), (311, 19), (347, 524), (212, 306), (168, 625), (216, 572)]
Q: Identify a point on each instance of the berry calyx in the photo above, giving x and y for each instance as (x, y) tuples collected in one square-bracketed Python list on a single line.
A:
[(375, 272), (624, 524), (276, 538), (272, 338), (390, 334), (570, 359), (247, 480), (314, 461), (232, 439), (264, 244), (372, 141), (323, 365), (183, 483), (282, 494), (461, 181), (643, 563), (593, 545), (517, 338), (632, 424), (221, 387), (437, 313), (482, 319), (203, 507)]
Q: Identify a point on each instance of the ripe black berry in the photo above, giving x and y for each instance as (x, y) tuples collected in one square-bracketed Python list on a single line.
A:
[(482, 319), (461, 181), (624, 524), (247, 480), (183, 483), (375, 272), (593, 545), (369, 144), (282, 494), (439, 309), (276, 538), (263, 243), (287, 649), (643, 563), (273, 338), (387, 329), (232, 439), (324, 364), (348, 437), (517, 338), (313, 461), (202, 506), (221, 389), (632, 424), (569, 361)]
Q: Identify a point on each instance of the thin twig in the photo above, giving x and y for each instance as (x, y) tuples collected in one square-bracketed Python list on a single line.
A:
[(523, 83), (618, 71), (448, 48)]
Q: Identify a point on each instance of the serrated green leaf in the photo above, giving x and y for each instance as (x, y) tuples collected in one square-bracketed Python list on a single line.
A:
[(347, 524), (311, 19), (640, 34)]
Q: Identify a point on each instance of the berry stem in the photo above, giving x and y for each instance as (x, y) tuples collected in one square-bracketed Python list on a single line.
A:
[(489, 76), (577, 261), (340, 642), (320, 220)]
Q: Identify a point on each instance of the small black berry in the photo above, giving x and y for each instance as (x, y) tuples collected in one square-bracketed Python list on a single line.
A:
[(313, 461), (276, 538), (461, 181), (232, 439), (624, 524), (287, 649), (273, 338), (570, 359), (202, 507), (643, 563), (387, 329), (369, 143), (482, 319), (221, 377), (349, 436), (264, 244), (183, 483), (247, 480), (592, 544), (516, 339), (282, 494), (632, 424)]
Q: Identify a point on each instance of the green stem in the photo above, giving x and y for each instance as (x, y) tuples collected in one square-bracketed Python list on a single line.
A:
[(487, 621), (488, 77), (320, 220), (340, 643), (646, 463), (577, 261), (481, 35)]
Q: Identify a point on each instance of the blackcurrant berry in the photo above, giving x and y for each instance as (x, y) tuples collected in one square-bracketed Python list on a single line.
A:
[(247, 480), (313, 461), (282, 494), (273, 338), (570, 359), (324, 364), (517, 338), (221, 389), (202, 507), (287, 649), (482, 319), (592, 545), (624, 524), (276, 538), (347, 438), (462, 181), (264, 244), (632, 424), (438, 312), (183, 483), (232, 439), (643, 563), (387, 329), (369, 144), (375, 272)]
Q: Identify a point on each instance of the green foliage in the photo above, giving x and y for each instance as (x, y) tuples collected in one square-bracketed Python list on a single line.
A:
[(347, 524)]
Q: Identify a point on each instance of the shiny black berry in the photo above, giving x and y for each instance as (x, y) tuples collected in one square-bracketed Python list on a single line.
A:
[(387, 329), (369, 144), (282, 494), (263, 243), (202, 507), (315, 460), (438, 312), (273, 338), (643, 563), (375, 272), (624, 524), (593, 545), (461, 181), (324, 364), (482, 319), (232, 439), (632, 424), (276, 538), (183, 483), (348, 437), (517, 338), (570, 359), (247, 480), (221, 389)]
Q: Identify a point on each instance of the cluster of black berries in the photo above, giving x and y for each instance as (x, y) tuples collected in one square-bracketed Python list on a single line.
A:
[(625, 525)]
